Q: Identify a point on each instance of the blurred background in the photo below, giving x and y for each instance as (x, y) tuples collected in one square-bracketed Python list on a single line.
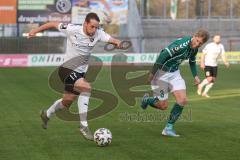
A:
[(149, 24)]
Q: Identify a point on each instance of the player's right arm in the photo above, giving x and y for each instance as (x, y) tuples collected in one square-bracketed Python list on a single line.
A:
[(46, 26), (163, 56), (224, 59), (202, 60)]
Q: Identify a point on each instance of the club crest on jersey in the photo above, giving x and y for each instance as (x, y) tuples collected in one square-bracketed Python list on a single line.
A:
[(63, 26), (91, 39)]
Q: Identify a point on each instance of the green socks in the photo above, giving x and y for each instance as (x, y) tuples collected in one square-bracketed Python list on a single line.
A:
[(152, 101), (174, 114)]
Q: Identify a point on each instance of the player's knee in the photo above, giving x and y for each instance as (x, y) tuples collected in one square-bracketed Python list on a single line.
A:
[(87, 88), (163, 105), (84, 88), (67, 103), (182, 101), (209, 79)]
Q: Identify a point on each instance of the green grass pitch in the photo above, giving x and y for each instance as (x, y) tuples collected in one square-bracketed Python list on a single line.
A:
[(210, 128)]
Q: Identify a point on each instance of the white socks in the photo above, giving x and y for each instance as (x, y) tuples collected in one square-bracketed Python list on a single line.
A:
[(56, 106), (204, 82), (207, 88), (83, 100)]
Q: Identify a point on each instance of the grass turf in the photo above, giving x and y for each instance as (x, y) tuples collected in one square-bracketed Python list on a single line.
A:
[(209, 128)]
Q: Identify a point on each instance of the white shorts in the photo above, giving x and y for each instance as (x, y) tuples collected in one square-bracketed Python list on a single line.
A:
[(164, 82)]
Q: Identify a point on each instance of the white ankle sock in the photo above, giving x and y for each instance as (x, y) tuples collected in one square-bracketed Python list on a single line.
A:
[(83, 101), (207, 88), (53, 108), (204, 82)]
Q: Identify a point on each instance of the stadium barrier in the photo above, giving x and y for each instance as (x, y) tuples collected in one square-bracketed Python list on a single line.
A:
[(38, 60)]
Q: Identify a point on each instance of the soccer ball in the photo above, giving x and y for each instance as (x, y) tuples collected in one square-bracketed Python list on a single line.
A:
[(102, 137)]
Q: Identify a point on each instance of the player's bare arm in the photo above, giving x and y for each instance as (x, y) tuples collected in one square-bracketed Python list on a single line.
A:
[(115, 42), (193, 68), (224, 59), (43, 27), (196, 80), (202, 61)]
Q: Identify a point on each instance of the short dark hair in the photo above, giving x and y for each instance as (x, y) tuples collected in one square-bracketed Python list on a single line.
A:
[(90, 16), (202, 33)]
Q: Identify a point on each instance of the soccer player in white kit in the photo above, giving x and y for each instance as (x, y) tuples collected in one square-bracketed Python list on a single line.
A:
[(80, 42), (209, 63)]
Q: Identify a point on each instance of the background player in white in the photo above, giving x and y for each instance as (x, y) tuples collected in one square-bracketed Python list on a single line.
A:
[(80, 42), (209, 63)]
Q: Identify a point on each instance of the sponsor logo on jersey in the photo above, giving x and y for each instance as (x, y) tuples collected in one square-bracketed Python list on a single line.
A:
[(184, 44), (83, 45), (175, 49), (63, 26), (181, 46)]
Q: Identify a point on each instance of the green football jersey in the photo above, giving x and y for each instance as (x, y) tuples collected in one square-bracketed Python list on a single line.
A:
[(173, 55)]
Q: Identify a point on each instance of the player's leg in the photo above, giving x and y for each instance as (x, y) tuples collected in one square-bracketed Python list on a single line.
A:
[(211, 80), (179, 92), (208, 86), (83, 100), (154, 102), (59, 104), (175, 113), (160, 94), (206, 81), (85, 91), (68, 97)]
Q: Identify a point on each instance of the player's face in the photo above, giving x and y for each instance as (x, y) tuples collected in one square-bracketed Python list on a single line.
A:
[(197, 42), (217, 39), (91, 27)]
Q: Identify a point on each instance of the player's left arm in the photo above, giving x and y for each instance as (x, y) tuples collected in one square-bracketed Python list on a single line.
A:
[(105, 37), (224, 59), (193, 67), (115, 41)]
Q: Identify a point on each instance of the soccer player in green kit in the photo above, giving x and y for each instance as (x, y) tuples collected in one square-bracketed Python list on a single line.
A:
[(165, 76)]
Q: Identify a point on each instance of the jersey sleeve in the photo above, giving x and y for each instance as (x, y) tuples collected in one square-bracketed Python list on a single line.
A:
[(67, 28), (192, 63), (104, 37), (205, 49), (172, 50), (162, 58), (222, 50)]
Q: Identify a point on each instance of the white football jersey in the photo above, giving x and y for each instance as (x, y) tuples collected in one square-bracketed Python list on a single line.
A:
[(213, 51), (80, 45)]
